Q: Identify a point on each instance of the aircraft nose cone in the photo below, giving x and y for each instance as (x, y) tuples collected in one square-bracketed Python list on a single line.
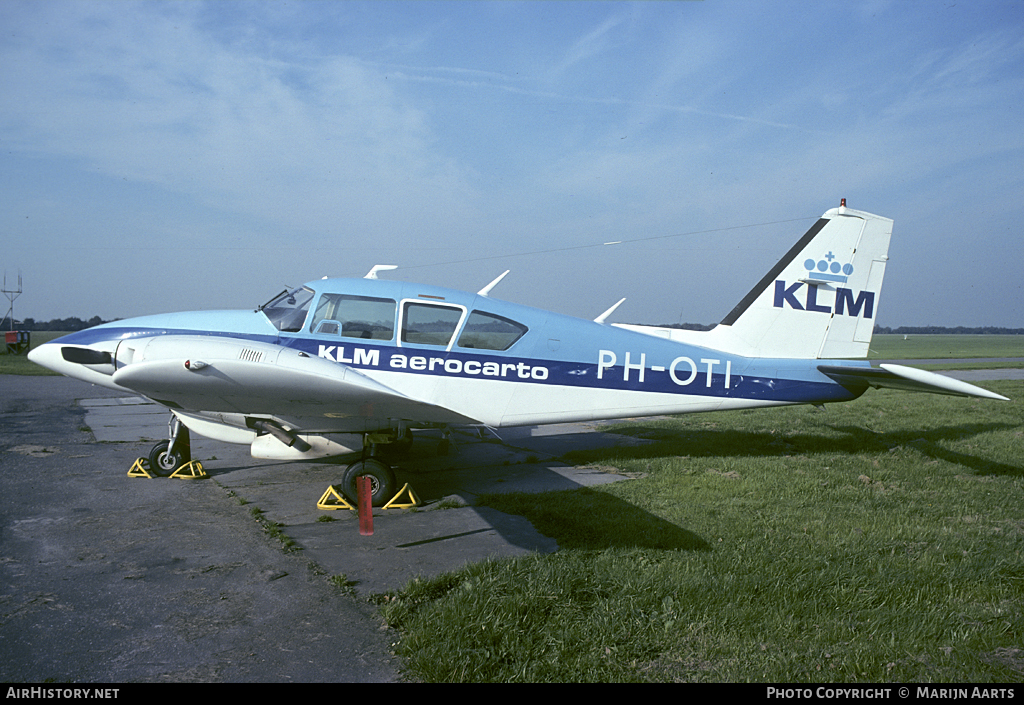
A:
[(85, 363), (47, 355)]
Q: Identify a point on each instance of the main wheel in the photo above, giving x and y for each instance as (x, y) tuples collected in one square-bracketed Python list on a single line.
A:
[(163, 463), (382, 481)]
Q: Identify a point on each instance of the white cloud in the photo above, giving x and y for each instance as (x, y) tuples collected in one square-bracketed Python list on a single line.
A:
[(153, 98)]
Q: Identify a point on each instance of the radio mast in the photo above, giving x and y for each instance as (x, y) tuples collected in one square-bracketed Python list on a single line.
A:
[(11, 295)]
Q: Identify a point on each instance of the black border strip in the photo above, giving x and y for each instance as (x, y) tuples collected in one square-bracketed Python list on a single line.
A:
[(743, 305)]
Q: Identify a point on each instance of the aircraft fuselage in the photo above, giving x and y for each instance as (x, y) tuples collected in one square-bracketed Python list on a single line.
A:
[(559, 369)]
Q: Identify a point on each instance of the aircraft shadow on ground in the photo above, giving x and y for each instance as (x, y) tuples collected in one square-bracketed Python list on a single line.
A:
[(927, 443), (854, 439), (587, 519)]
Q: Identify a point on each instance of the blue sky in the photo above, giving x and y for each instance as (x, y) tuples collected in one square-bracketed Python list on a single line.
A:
[(161, 156)]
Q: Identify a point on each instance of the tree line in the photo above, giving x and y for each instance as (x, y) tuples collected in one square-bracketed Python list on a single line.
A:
[(57, 324), (901, 330), (942, 330)]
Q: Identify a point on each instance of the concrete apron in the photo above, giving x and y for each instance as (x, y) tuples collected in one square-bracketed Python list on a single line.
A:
[(442, 534)]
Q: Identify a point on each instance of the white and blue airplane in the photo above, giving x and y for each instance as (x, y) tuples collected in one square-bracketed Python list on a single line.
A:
[(342, 366)]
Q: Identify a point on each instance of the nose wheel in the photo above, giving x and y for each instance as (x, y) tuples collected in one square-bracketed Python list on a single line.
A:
[(164, 463), (167, 456)]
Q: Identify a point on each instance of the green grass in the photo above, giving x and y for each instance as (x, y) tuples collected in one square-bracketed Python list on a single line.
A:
[(876, 541), (914, 347), (274, 530), (20, 364)]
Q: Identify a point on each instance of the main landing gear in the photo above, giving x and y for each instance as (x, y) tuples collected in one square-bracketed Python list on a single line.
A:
[(382, 480)]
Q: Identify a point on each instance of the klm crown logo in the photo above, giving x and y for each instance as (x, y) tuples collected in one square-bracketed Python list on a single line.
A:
[(828, 269)]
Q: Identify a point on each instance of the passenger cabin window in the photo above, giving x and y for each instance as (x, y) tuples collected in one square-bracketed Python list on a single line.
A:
[(349, 316), (487, 331), (287, 311), (425, 324)]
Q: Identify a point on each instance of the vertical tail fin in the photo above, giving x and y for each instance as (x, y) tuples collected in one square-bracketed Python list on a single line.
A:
[(820, 300)]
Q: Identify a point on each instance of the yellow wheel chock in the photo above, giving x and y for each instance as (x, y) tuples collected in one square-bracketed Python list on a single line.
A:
[(192, 470), (332, 499), (393, 503), (140, 469)]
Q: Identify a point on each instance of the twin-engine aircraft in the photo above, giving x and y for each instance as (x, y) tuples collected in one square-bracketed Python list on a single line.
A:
[(341, 366)]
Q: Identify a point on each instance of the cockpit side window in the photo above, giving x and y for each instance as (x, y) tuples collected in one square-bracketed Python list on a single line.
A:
[(428, 324), (287, 311), (364, 317), (488, 331)]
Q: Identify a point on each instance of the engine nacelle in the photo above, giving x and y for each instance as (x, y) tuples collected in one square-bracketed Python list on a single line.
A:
[(270, 448)]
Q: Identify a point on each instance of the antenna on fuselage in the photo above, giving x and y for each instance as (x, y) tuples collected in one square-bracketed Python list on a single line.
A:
[(600, 319), (487, 289), (372, 274)]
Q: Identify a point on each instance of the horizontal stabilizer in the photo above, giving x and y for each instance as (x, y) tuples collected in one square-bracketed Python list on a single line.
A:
[(905, 378)]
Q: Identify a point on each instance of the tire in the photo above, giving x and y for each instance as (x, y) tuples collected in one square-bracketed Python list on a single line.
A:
[(162, 464), (382, 481)]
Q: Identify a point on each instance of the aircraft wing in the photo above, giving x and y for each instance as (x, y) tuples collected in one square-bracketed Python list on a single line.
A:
[(905, 378), (220, 374)]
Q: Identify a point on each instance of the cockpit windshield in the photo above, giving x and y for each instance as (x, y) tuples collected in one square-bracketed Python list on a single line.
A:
[(287, 311)]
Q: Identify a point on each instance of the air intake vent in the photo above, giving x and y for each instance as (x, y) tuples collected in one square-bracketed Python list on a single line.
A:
[(250, 355)]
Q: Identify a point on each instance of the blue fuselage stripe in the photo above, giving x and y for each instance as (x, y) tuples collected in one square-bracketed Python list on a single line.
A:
[(690, 379)]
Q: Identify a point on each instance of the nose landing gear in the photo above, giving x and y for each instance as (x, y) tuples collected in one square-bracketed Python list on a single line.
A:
[(168, 457)]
